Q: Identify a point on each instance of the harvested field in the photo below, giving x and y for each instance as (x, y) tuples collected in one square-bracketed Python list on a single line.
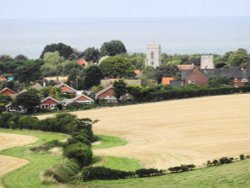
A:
[(177, 132), (7, 163)]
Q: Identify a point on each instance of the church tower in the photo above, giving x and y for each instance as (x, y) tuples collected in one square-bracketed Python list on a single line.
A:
[(207, 62), (153, 55)]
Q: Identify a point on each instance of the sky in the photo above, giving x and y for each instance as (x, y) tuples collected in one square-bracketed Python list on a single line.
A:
[(61, 9)]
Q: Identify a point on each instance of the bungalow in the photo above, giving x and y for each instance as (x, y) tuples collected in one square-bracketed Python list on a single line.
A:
[(195, 76), (66, 89), (48, 103), (83, 99), (167, 80), (15, 109), (7, 91), (106, 94), (238, 76)]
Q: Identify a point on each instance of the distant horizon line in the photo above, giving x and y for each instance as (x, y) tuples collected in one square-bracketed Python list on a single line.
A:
[(126, 18)]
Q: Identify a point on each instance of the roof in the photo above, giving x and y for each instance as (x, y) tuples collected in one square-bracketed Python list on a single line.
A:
[(63, 84), (137, 72), (3, 78), (4, 89), (104, 90), (185, 67), (68, 101), (49, 97), (82, 62), (57, 78), (167, 80), (229, 73)]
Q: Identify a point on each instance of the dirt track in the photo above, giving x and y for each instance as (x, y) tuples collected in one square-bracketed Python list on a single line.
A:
[(177, 132), (7, 163)]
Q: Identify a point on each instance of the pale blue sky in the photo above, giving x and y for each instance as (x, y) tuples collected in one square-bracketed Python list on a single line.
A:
[(122, 8)]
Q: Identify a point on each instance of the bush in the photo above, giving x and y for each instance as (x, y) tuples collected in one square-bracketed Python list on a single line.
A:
[(226, 160), (242, 157), (148, 172), (83, 138), (80, 152), (64, 172), (182, 168), (102, 173), (48, 145), (28, 122)]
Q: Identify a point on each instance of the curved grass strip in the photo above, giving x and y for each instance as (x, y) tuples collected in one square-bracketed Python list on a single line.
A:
[(29, 175), (109, 142)]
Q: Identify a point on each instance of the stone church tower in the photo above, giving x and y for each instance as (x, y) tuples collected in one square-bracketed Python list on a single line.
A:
[(207, 62), (153, 55)]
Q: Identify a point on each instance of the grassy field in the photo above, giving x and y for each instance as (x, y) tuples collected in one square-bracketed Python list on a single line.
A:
[(29, 175), (234, 175)]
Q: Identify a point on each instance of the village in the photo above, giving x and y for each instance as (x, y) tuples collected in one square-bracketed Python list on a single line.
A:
[(63, 93)]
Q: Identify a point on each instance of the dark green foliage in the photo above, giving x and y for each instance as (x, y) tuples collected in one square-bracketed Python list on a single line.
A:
[(7, 119), (242, 157), (120, 89), (47, 146), (63, 49), (93, 77), (217, 82), (92, 54), (221, 161), (28, 100), (81, 137), (165, 71), (102, 173), (64, 172), (79, 106), (112, 48), (141, 173), (4, 99), (80, 152), (28, 122), (182, 168), (117, 67)]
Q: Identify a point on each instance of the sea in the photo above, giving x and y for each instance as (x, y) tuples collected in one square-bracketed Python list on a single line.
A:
[(175, 35)]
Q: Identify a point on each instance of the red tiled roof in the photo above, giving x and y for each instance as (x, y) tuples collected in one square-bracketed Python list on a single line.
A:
[(82, 62), (186, 67), (167, 80)]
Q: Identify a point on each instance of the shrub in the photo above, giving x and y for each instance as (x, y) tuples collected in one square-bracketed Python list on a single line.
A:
[(182, 168), (64, 172), (48, 145), (148, 172), (242, 157), (79, 138), (102, 173), (80, 152), (226, 160), (28, 122)]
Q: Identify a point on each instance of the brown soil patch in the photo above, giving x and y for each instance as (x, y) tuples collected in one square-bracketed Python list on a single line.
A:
[(177, 132)]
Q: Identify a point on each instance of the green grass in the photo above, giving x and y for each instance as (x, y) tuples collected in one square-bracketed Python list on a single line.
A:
[(29, 175), (231, 175), (109, 142)]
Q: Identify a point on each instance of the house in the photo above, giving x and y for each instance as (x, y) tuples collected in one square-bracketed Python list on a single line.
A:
[(167, 80), (237, 76), (83, 99), (3, 78), (82, 62), (186, 67), (107, 82), (15, 109), (66, 89), (63, 79), (7, 91), (48, 103), (195, 76), (107, 94), (36, 86)]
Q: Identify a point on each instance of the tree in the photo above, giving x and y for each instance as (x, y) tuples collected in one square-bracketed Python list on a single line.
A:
[(239, 58), (52, 63), (217, 81), (21, 58), (112, 48), (93, 77), (165, 71), (29, 71), (63, 49), (117, 67), (92, 54), (120, 89), (28, 101)]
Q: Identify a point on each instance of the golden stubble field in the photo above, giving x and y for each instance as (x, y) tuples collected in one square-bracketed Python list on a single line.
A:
[(7, 163), (177, 132)]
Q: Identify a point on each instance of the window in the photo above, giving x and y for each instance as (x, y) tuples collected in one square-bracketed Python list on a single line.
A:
[(152, 55), (152, 63)]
